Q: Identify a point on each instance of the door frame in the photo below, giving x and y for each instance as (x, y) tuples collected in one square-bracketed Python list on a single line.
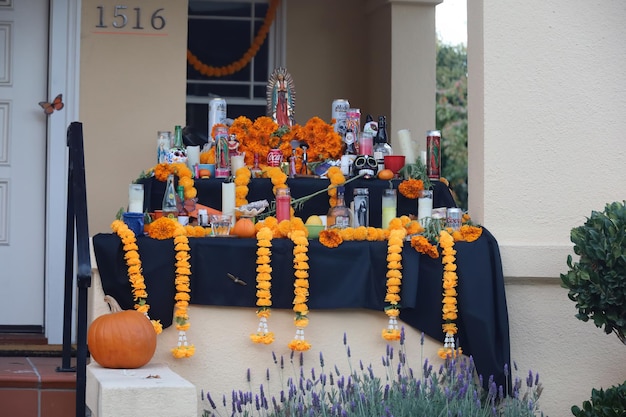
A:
[(63, 77)]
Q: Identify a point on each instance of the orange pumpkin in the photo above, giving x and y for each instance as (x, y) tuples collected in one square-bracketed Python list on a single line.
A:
[(124, 339), (244, 227)]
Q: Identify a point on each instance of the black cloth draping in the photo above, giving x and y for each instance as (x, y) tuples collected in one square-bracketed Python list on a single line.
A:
[(352, 275), (210, 194)]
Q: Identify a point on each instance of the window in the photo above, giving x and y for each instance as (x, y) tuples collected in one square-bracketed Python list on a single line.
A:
[(219, 33)]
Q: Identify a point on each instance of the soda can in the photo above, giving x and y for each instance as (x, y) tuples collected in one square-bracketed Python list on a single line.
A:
[(339, 109), (217, 113), (454, 218), (433, 150), (274, 157), (361, 206)]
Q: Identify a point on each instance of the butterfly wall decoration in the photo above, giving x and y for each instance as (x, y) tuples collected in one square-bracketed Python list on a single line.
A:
[(56, 104)]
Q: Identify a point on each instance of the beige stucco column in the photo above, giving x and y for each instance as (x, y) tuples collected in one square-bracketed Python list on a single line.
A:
[(402, 76)]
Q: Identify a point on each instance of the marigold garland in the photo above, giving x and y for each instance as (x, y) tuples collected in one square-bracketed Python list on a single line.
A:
[(301, 289), (394, 281), (336, 178), (181, 316), (242, 179), (135, 275), (238, 65), (450, 282), (263, 284)]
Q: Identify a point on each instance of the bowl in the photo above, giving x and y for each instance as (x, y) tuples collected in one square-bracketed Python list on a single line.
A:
[(314, 230), (394, 163)]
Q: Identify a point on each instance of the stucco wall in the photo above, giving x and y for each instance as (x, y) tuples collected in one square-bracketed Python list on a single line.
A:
[(546, 105)]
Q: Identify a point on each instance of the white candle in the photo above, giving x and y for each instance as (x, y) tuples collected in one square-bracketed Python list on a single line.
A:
[(236, 162), (406, 146), (135, 198), (424, 205), (228, 199), (193, 156)]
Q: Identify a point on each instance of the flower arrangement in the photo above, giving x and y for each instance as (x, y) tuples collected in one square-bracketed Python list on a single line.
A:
[(263, 284), (310, 390), (185, 177), (262, 135)]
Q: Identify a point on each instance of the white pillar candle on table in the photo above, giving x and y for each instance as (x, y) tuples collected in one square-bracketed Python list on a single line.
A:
[(135, 198), (424, 205), (193, 156), (406, 146), (228, 199), (236, 162)]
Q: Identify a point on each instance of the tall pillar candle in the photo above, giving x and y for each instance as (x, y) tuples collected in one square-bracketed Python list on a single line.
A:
[(135, 198), (424, 205), (193, 156), (228, 199), (406, 146)]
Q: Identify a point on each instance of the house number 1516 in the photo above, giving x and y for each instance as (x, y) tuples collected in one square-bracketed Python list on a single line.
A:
[(119, 18)]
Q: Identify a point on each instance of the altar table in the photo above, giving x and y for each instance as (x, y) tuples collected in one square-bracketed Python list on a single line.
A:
[(349, 276), (210, 194)]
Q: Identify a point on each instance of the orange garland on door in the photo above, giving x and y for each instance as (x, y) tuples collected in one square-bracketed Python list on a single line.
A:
[(238, 65)]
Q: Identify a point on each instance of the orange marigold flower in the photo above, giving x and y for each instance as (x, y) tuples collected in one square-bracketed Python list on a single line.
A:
[(330, 238), (411, 188), (162, 228)]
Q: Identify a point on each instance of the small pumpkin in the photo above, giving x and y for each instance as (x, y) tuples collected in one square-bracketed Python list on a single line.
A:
[(123, 339), (244, 227)]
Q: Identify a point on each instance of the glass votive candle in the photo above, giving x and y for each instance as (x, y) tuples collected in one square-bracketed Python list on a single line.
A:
[(388, 202), (366, 143), (135, 198), (220, 224)]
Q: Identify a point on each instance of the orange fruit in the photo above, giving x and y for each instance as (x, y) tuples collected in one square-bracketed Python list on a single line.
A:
[(385, 174)]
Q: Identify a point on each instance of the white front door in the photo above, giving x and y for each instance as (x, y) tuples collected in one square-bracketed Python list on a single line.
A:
[(23, 150)]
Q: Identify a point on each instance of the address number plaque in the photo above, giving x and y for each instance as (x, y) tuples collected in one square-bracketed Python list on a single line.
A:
[(123, 17)]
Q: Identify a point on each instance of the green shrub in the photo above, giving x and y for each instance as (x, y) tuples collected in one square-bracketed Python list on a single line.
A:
[(609, 403), (597, 283)]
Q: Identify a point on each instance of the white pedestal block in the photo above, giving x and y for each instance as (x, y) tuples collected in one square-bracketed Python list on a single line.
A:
[(152, 390)]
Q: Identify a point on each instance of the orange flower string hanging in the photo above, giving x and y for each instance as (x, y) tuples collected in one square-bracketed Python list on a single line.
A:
[(449, 308), (394, 281), (263, 285), (135, 275), (301, 289)]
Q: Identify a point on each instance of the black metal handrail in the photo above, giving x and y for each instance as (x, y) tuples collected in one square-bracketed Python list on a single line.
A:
[(77, 236)]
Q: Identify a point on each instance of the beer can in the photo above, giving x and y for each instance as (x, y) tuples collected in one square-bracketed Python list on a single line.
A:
[(361, 204), (454, 218), (217, 113), (274, 157), (339, 109), (433, 150)]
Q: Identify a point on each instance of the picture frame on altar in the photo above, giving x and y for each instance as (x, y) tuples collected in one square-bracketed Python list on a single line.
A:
[(281, 97)]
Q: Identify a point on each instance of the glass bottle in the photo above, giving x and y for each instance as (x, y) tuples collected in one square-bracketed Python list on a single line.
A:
[(388, 203), (178, 137), (339, 215), (381, 143), (183, 214), (169, 199)]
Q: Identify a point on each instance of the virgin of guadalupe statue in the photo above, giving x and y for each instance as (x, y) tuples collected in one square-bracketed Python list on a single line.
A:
[(281, 96)]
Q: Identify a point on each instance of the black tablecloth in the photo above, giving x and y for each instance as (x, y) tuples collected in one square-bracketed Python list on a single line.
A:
[(210, 194), (350, 276)]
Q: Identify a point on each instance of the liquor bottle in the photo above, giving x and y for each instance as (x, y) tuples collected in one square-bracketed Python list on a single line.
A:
[(339, 215), (381, 145), (178, 137), (169, 199), (183, 214), (256, 170)]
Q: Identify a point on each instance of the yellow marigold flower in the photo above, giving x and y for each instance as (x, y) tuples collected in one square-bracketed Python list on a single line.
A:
[(158, 327), (183, 271), (392, 312), (131, 246), (301, 265), (301, 322), (264, 268), (300, 256), (392, 298), (140, 294), (162, 228), (263, 302), (450, 315), (391, 334), (449, 267), (263, 259), (395, 223), (241, 181), (182, 296), (190, 193), (265, 233), (393, 289), (394, 265), (301, 308), (347, 234), (182, 247), (299, 345), (301, 291), (301, 274), (449, 328), (394, 273), (360, 233), (142, 308), (263, 294), (264, 276), (264, 285), (394, 257), (299, 299), (263, 252), (394, 281), (413, 227), (304, 283), (448, 259)]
